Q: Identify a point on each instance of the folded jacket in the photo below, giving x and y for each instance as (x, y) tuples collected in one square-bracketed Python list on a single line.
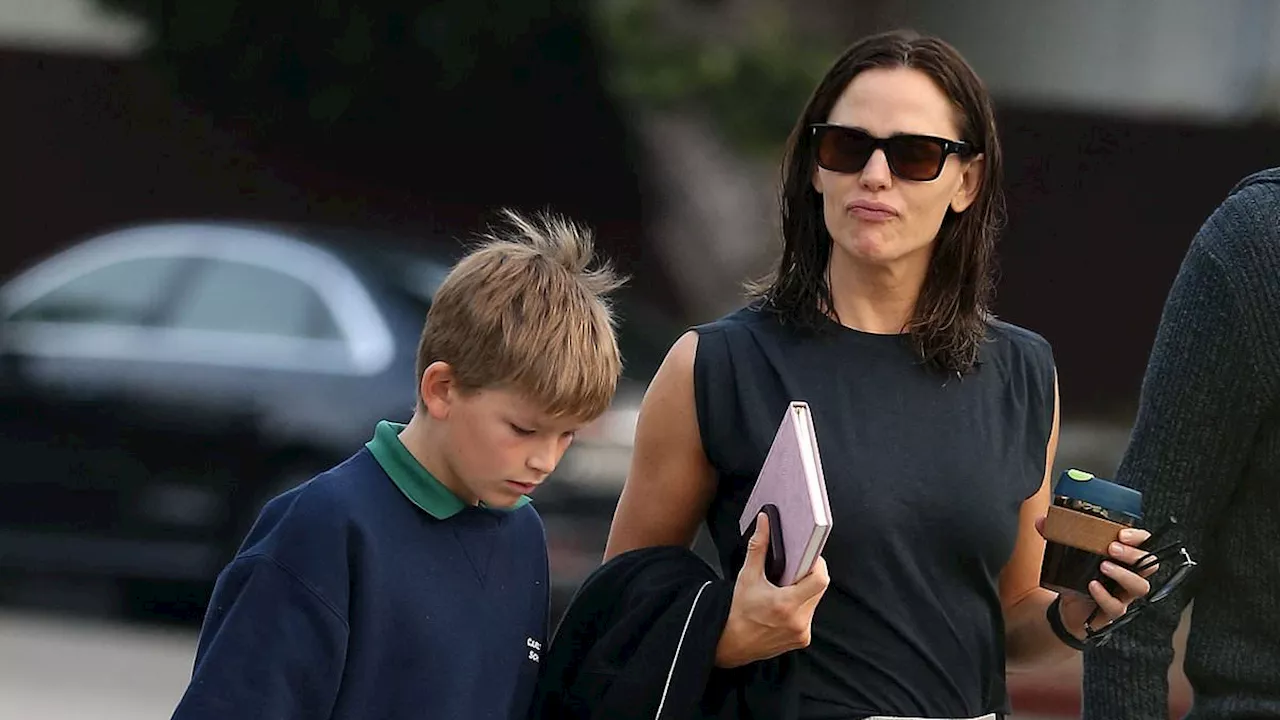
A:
[(638, 641)]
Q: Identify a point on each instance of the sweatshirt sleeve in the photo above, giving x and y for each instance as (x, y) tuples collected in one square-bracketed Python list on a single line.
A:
[(1199, 411), (271, 647)]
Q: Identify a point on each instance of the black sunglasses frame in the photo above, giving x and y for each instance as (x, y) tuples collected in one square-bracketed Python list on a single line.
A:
[(948, 147)]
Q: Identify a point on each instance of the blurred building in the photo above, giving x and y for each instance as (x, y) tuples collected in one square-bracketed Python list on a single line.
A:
[(1214, 63), (78, 26)]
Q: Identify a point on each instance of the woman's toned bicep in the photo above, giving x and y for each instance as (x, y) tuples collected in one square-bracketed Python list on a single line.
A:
[(671, 482)]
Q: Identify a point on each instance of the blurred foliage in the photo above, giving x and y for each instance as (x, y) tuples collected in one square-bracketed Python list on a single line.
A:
[(751, 84), (493, 99), (323, 68), (271, 60)]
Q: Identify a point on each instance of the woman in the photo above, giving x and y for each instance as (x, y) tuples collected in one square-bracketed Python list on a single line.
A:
[(937, 423)]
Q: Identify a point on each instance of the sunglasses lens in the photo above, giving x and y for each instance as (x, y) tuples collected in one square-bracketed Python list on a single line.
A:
[(847, 150), (843, 150), (915, 158)]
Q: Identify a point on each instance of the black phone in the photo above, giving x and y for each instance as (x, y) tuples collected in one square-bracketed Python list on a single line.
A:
[(775, 559)]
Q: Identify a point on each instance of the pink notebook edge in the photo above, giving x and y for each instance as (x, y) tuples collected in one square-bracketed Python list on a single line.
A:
[(820, 532)]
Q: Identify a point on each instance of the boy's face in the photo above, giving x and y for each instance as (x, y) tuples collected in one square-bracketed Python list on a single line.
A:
[(497, 445)]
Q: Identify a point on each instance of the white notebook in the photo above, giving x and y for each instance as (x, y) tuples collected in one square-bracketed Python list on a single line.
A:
[(791, 479)]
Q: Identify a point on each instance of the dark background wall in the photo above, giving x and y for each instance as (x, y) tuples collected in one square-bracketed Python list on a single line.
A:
[(1101, 211)]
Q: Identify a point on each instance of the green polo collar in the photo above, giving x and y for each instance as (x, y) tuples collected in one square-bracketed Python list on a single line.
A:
[(416, 482)]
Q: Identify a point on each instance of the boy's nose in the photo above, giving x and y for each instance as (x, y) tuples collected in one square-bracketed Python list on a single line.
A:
[(542, 464), (547, 456)]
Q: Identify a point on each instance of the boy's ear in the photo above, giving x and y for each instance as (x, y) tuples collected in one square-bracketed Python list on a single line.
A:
[(438, 389)]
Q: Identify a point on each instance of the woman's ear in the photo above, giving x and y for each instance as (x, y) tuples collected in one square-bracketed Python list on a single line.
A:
[(970, 184)]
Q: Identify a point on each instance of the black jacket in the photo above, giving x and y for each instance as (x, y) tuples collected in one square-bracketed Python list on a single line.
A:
[(638, 641)]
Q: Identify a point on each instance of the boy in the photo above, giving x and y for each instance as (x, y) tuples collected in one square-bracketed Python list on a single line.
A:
[(411, 580)]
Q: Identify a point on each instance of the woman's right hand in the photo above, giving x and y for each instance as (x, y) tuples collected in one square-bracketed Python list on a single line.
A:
[(766, 620)]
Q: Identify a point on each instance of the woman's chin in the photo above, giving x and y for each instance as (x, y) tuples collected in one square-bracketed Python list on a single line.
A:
[(876, 249), (870, 248)]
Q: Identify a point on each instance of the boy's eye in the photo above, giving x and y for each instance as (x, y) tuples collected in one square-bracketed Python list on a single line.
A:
[(520, 430)]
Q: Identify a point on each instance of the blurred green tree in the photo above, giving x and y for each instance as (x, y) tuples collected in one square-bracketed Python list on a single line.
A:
[(750, 81), (329, 63), (484, 100), (350, 74)]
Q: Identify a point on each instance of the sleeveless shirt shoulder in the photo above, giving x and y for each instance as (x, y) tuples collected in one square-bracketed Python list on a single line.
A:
[(1024, 359), (713, 370)]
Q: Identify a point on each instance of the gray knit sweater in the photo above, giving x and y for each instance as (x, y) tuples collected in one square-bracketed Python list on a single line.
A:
[(1206, 449)]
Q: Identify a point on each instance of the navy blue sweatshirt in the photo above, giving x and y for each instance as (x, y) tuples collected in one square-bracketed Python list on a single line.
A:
[(371, 591)]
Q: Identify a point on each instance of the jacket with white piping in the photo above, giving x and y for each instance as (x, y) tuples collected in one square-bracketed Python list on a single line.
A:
[(638, 642)]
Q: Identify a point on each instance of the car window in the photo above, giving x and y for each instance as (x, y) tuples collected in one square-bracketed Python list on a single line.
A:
[(122, 293), (243, 298)]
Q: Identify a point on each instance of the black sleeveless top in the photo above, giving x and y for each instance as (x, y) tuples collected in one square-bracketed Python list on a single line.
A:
[(926, 473)]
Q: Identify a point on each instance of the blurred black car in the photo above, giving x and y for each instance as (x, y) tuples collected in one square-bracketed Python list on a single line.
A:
[(160, 382)]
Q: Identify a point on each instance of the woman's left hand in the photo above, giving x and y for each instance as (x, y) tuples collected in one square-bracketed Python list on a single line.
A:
[(1077, 608)]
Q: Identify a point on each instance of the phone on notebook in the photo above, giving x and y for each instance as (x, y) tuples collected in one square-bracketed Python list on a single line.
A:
[(775, 558)]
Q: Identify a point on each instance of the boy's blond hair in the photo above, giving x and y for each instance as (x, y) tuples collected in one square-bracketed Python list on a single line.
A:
[(524, 310)]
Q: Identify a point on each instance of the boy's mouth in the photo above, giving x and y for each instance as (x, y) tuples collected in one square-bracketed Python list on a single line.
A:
[(524, 488)]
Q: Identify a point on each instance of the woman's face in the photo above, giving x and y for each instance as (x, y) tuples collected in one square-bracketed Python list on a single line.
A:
[(875, 217)]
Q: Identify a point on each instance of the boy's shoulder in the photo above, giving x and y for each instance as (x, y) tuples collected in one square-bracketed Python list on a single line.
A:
[(315, 514), (307, 532)]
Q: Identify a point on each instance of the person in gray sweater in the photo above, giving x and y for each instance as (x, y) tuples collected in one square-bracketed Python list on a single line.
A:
[(1206, 451)]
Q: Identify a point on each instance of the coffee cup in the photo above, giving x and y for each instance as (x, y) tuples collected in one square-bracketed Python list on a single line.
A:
[(1085, 517)]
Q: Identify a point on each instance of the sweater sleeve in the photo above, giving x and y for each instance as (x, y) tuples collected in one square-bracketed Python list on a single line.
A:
[(271, 647), (1199, 412)]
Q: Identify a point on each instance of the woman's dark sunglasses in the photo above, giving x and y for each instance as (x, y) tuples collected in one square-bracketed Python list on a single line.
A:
[(1172, 554), (911, 157)]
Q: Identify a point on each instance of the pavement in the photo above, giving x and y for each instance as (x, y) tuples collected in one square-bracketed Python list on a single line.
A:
[(55, 667), (63, 667), (58, 667)]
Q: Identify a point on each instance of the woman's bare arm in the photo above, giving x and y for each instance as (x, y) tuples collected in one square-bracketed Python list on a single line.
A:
[(671, 481), (1028, 640), (666, 495)]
